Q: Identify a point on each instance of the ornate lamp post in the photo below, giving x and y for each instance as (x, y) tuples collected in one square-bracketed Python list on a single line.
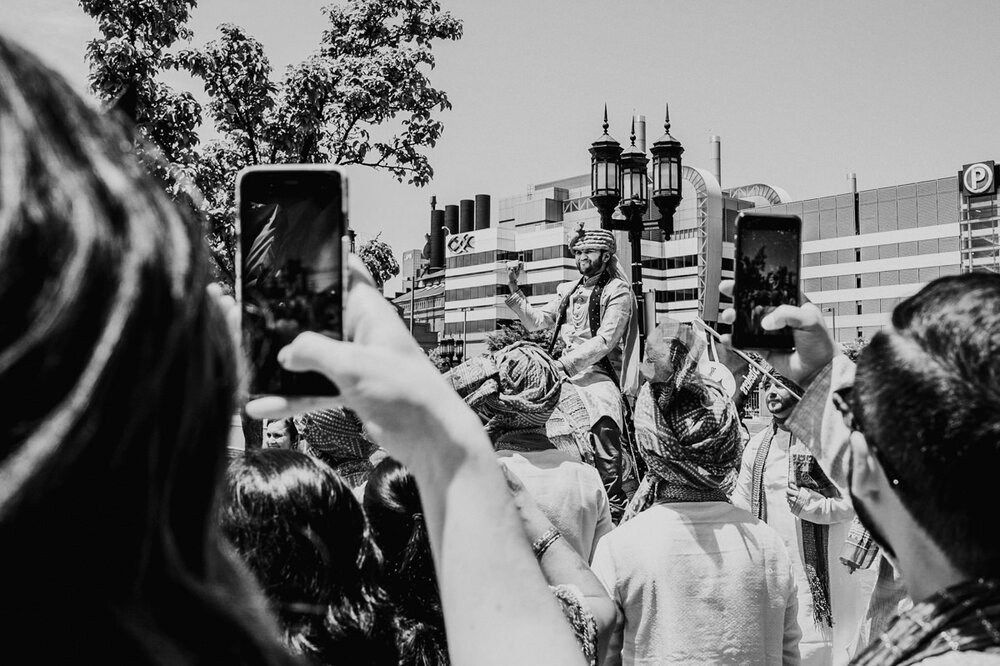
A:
[(629, 192), (667, 153), (605, 188), (448, 350), (633, 206)]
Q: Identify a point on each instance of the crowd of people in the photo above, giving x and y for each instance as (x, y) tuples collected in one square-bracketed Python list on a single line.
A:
[(503, 513)]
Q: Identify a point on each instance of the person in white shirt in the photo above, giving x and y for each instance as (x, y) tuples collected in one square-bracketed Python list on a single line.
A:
[(782, 484), (539, 429), (697, 580)]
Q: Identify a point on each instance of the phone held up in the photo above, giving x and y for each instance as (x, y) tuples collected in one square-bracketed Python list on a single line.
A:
[(767, 268), (290, 267)]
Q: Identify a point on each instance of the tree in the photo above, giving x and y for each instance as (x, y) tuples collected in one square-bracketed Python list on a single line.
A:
[(436, 357), (363, 97), (377, 257), (853, 348), (127, 58)]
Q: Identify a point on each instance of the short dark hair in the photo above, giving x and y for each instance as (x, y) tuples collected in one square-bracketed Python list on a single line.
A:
[(929, 397)]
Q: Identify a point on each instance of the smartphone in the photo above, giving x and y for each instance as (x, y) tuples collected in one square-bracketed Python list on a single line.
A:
[(290, 267), (767, 267)]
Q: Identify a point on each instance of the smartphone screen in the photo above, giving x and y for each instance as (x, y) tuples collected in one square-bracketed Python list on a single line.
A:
[(290, 268), (768, 257)]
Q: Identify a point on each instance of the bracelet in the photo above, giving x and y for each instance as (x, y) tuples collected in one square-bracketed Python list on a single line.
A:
[(542, 543)]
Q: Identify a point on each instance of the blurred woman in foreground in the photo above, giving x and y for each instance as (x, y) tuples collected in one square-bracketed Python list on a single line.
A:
[(118, 379), (118, 376)]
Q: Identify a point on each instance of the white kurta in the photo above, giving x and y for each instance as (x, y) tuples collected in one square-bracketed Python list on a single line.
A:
[(569, 492), (699, 583), (584, 351), (849, 593)]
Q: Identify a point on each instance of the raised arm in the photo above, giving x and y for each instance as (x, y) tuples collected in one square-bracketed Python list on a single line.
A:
[(562, 565), (614, 323), (533, 318), (497, 606)]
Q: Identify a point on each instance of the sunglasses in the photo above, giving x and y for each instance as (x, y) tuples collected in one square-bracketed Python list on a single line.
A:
[(843, 400)]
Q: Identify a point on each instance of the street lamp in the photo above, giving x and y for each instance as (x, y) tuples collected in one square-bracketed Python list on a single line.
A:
[(667, 153), (448, 349), (465, 328), (630, 193), (605, 188), (453, 351), (633, 205), (832, 310), (418, 262)]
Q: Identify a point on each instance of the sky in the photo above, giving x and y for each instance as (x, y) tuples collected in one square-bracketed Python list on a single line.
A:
[(800, 92)]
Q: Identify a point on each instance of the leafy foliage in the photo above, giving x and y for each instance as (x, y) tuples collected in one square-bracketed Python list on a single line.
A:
[(853, 348), (437, 357), (377, 257), (363, 97)]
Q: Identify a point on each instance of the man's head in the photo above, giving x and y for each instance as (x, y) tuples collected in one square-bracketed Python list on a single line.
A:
[(927, 400), (593, 249), (780, 401)]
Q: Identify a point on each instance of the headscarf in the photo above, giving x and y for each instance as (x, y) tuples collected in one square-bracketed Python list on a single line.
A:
[(521, 396), (687, 430), (338, 438)]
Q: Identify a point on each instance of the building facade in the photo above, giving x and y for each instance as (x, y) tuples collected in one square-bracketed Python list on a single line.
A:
[(862, 252), (680, 275)]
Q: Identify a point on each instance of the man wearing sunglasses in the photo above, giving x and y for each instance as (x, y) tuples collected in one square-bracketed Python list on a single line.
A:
[(916, 440)]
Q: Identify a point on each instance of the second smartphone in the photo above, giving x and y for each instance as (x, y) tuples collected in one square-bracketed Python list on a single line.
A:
[(290, 268), (767, 269)]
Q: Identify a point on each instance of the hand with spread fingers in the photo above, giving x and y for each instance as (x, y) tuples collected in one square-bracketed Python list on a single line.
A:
[(479, 547), (814, 346)]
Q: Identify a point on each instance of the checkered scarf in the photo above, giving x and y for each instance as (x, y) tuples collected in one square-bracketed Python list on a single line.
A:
[(521, 397), (337, 437), (687, 429), (964, 617)]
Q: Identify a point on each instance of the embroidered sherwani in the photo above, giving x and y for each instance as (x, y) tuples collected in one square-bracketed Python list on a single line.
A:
[(584, 351)]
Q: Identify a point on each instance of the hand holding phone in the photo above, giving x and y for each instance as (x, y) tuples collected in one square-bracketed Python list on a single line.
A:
[(290, 268), (767, 271)]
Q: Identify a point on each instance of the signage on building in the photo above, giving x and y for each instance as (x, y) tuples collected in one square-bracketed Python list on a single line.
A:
[(979, 179), (461, 243)]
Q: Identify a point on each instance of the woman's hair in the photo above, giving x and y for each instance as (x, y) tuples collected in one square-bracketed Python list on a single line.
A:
[(393, 506), (302, 532), (118, 381)]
